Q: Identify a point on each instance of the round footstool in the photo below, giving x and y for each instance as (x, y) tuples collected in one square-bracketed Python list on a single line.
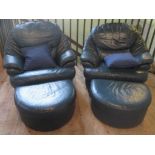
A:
[(118, 103), (46, 106)]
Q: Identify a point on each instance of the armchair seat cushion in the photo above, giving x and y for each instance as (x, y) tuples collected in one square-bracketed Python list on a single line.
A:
[(37, 57), (103, 72), (118, 103), (46, 106)]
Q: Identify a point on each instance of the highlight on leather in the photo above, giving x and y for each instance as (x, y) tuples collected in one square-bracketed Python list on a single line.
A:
[(112, 38), (119, 96), (32, 34), (44, 95)]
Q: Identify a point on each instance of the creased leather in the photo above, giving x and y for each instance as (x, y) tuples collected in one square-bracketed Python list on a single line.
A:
[(120, 95), (119, 104), (139, 47), (70, 64), (103, 72), (42, 76), (112, 38), (35, 33), (89, 56), (46, 106), (45, 98), (67, 57), (12, 72), (64, 45)]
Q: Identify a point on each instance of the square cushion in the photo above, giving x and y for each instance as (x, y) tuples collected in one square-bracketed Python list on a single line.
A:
[(37, 57), (121, 60)]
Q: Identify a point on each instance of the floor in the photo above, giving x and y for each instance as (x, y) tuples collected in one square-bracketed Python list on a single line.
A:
[(83, 120)]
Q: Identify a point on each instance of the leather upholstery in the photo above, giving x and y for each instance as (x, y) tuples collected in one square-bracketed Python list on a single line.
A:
[(103, 72), (45, 98), (89, 56), (36, 33), (121, 95), (111, 38), (118, 103), (42, 76), (32, 34), (114, 36), (13, 62), (145, 58), (66, 58), (46, 106), (118, 96)]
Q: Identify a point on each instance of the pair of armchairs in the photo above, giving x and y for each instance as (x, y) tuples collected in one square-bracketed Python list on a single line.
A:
[(44, 92)]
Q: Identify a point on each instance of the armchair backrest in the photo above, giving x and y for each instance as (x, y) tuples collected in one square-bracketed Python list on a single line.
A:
[(114, 36), (36, 33)]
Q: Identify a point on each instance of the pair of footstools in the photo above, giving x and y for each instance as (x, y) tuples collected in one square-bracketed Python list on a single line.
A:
[(50, 105)]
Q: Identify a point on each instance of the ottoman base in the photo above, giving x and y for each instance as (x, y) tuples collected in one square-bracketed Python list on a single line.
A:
[(46, 106), (47, 121), (118, 103), (119, 118)]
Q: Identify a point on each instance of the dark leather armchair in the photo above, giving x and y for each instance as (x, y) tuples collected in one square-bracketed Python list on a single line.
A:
[(44, 97), (64, 57), (114, 98)]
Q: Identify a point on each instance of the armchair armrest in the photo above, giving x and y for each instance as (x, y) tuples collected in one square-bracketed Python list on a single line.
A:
[(140, 51), (13, 62), (143, 67), (67, 59), (89, 56), (145, 58), (89, 59), (42, 76)]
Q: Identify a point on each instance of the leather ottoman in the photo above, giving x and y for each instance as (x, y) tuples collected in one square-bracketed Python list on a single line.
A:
[(46, 106), (118, 103)]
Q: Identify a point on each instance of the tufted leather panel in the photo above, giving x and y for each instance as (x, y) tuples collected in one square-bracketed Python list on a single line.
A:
[(11, 47), (45, 98), (36, 33), (30, 34), (93, 53), (90, 56), (114, 36)]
